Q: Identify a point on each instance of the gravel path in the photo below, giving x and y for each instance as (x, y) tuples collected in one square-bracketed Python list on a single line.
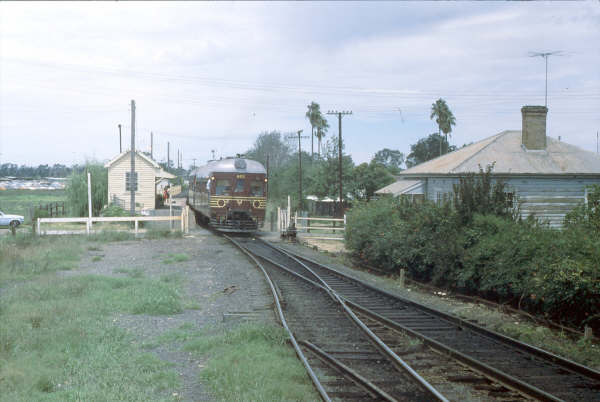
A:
[(217, 277)]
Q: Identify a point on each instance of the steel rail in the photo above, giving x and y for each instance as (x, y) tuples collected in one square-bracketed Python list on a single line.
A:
[(377, 342), (367, 385), (480, 367), (574, 366), (301, 356), (489, 371)]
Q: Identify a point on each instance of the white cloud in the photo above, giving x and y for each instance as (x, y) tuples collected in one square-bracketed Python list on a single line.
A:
[(222, 72)]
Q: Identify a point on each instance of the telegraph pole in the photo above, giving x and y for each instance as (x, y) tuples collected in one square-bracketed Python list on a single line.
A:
[(299, 167), (267, 186), (120, 142), (132, 180), (194, 165), (168, 155), (340, 114)]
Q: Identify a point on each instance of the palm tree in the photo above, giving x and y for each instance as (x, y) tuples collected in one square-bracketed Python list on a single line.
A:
[(312, 114), (322, 127), (443, 117)]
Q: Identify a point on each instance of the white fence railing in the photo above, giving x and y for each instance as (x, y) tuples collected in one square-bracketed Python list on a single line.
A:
[(333, 228), (183, 218)]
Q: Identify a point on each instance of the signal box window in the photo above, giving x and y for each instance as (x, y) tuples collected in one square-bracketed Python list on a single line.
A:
[(256, 189), (128, 183), (223, 187), (239, 185)]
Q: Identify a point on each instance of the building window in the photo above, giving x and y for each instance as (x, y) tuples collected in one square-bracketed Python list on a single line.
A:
[(510, 200), (128, 181), (442, 197)]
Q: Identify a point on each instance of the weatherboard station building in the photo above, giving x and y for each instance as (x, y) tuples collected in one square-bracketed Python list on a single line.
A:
[(147, 174), (547, 177)]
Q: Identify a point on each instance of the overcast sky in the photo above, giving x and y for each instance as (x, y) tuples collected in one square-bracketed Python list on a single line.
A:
[(214, 75)]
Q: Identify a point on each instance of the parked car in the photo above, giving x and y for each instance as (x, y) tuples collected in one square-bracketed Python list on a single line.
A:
[(10, 220)]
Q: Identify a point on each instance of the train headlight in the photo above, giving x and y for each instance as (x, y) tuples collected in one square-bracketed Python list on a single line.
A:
[(266, 180)]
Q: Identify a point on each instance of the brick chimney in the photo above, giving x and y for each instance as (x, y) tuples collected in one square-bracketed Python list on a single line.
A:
[(533, 134)]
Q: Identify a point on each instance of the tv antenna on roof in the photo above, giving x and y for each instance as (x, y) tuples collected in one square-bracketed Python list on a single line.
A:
[(545, 55)]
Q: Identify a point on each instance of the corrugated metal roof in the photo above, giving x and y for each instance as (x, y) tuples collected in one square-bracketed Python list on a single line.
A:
[(511, 157), (398, 187)]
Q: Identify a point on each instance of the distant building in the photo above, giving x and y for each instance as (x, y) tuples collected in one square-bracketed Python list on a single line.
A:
[(546, 176), (148, 173)]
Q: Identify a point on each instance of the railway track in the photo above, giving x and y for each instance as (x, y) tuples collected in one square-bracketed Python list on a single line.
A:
[(517, 366), (344, 359)]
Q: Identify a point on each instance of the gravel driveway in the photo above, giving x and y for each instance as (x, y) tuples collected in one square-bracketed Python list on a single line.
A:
[(217, 277)]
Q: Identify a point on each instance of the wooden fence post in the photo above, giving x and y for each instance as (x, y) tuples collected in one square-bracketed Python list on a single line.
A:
[(402, 273), (182, 221), (279, 219)]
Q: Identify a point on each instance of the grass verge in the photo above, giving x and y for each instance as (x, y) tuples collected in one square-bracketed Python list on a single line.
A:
[(251, 362), (57, 339)]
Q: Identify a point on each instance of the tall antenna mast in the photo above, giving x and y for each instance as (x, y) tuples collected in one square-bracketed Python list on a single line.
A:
[(545, 55)]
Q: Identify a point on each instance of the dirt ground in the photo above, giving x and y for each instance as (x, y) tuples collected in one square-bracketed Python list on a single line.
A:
[(218, 278)]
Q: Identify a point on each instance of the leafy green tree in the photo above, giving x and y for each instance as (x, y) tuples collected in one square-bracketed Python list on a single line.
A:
[(270, 144), (324, 178), (426, 149), (444, 119), (77, 190), (392, 159), (368, 178)]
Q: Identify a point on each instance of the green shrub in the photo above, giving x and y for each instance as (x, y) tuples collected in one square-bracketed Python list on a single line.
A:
[(114, 210), (478, 193), (587, 214), (396, 233), (530, 266)]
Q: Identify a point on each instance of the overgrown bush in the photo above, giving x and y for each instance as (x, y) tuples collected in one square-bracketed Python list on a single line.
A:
[(587, 213), (479, 193), (396, 233), (491, 254), (114, 210)]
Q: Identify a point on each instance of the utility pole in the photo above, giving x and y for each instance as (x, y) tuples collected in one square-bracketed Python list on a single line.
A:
[(194, 165), (213, 154), (545, 55), (168, 155), (267, 186), (340, 114), (151, 145), (120, 142), (132, 181), (299, 167)]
